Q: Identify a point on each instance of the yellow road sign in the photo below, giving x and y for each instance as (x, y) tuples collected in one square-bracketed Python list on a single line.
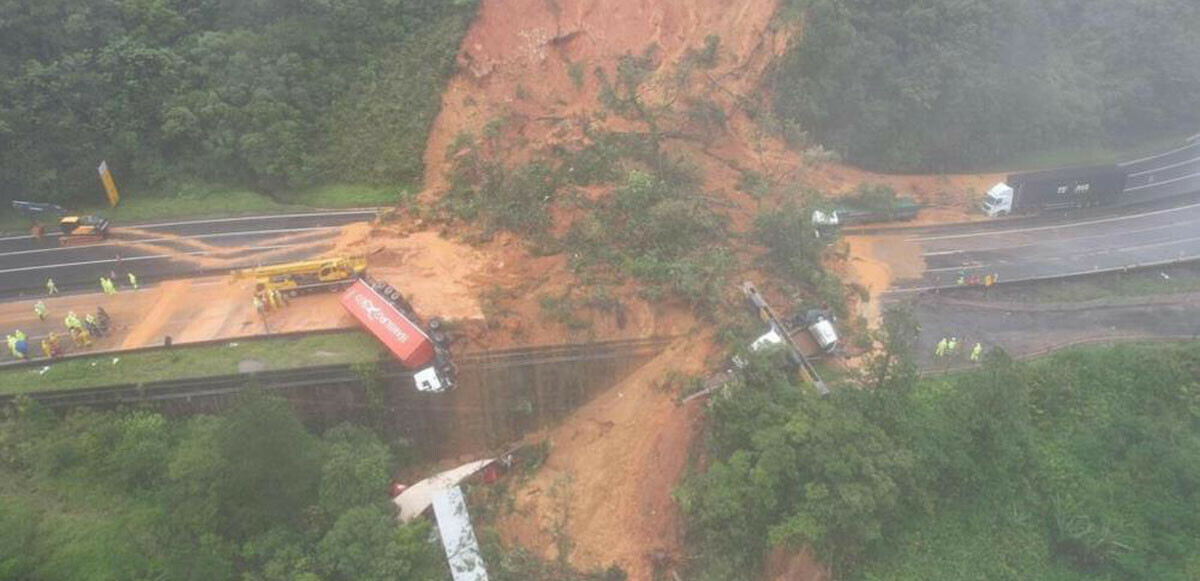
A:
[(110, 187)]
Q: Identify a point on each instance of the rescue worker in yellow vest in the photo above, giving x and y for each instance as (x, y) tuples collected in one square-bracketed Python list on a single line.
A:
[(40, 308), (976, 352), (940, 351)]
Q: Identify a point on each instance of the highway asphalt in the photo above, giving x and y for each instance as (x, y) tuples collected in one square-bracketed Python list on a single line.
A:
[(1032, 329), (1158, 222), (1168, 174), (1023, 251), (167, 249)]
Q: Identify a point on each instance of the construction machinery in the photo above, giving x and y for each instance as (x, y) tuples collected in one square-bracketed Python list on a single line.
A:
[(307, 276), (76, 229)]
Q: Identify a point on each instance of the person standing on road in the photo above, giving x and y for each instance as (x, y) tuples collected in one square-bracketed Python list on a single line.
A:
[(962, 278), (93, 328), (12, 344), (258, 305), (40, 308), (71, 321), (976, 352), (988, 281), (940, 351), (104, 285), (55, 348), (51, 289), (952, 346), (133, 281)]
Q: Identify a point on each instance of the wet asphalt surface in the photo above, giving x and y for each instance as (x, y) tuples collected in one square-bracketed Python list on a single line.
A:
[(1164, 226), (146, 250), (1024, 329)]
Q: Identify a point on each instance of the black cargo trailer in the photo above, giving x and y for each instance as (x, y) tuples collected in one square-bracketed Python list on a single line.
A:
[(1071, 187)]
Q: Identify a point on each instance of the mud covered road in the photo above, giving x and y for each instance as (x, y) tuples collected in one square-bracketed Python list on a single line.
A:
[(169, 249)]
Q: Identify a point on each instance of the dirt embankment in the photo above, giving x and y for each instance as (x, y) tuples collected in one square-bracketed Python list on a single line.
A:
[(606, 486)]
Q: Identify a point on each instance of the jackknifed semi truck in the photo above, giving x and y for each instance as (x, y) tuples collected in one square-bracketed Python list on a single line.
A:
[(1056, 189), (381, 310)]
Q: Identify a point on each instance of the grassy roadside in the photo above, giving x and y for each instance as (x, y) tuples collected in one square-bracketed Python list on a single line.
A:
[(187, 362), (1155, 281), (194, 202), (1091, 154)]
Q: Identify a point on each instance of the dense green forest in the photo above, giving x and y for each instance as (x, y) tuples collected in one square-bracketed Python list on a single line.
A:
[(249, 495), (957, 84), (266, 94), (1085, 465)]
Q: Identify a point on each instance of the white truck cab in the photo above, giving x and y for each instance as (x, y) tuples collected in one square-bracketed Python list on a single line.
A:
[(822, 330), (998, 201)]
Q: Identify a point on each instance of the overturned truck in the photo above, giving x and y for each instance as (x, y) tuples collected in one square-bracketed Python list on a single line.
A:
[(383, 311)]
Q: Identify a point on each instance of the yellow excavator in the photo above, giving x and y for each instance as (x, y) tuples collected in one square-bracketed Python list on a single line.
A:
[(307, 276)]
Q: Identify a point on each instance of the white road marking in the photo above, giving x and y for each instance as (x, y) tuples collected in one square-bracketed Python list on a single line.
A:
[(1054, 226), (1178, 260), (147, 257), (1170, 181), (222, 220), (1158, 155), (1165, 168), (173, 239), (1080, 256), (1049, 241)]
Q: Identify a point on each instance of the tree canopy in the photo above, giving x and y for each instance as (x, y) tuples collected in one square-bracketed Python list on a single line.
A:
[(249, 494), (270, 94), (953, 84), (1082, 466)]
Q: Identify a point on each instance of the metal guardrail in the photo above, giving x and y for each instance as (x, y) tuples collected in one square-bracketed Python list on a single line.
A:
[(326, 375)]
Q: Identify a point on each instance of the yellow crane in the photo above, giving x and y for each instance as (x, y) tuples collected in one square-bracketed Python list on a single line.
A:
[(306, 276)]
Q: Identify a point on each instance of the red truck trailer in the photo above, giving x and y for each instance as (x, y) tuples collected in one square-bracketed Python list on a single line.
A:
[(411, 345)]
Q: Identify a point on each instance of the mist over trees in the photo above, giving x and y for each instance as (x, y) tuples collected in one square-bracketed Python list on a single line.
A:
[(248, 494), (267, 94), (940, 85)]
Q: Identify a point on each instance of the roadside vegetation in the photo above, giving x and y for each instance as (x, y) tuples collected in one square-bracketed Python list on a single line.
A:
[(275, 96), (183, 362), (653, 221), (947, 85), (1083, 465), (1148, 282), (248, 494), (197, 202)]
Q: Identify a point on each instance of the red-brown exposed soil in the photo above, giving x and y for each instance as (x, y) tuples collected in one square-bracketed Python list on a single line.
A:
[(528, 74), (606, 485)]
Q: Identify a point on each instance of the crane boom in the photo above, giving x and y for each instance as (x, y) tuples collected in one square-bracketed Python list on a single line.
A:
[(307, 275)]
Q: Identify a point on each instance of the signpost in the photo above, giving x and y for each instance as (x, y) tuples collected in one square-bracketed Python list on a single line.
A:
[(110, 188)]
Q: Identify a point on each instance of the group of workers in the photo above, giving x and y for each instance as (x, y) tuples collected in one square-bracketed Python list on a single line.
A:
[(986, 281), (110, 288), (106, 283), (82, 330), (269, 299), (18, 343), (949, 348)]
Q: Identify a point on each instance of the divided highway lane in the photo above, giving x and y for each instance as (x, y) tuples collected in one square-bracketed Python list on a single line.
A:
[(169, 249), (1027, 250), (1168, 174)]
